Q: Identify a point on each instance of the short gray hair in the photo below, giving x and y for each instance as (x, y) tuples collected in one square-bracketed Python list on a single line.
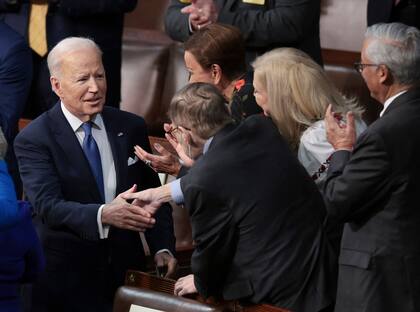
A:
[(65, 46), (200, 107), (397, 46)]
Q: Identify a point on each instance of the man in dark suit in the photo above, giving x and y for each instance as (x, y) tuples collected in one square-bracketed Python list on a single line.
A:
[(386, 11), (256, 215), (101, 20), (265, 24), (74, 159), (374, 185), (15, 82)]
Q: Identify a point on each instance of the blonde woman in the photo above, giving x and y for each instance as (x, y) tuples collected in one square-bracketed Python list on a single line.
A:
[(295, 91)]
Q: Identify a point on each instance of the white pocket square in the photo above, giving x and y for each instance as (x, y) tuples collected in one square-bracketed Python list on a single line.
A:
[(132, 161)]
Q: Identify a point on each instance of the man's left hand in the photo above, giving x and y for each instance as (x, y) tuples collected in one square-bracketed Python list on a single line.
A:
[(164, 259), (185, 285)]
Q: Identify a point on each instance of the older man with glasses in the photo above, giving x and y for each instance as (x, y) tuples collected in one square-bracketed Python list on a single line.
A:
[(373, 183)]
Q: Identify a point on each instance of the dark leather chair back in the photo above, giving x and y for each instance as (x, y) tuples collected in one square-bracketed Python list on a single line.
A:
[(127, 296), (152, 71)]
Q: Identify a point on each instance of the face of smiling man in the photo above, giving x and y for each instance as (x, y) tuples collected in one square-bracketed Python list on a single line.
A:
[(80, 83)]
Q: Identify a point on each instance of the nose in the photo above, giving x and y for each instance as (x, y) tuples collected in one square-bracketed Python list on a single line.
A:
[(93, 85)]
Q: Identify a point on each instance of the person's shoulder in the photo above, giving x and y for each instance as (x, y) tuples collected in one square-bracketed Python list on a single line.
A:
[(10, 40), (122, 116)]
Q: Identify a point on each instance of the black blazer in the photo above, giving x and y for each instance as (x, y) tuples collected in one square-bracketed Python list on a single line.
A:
[(58, 181), (385, 11), (273, 24), (256, 221), (375, 190)]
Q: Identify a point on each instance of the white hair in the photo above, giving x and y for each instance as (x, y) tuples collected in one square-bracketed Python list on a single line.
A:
[(397, 46), (65, 46)]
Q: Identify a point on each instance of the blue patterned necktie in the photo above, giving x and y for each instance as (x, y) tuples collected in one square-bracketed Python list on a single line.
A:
[(90, 148)]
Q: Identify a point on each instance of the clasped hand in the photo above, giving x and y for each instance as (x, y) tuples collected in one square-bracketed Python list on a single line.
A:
[(121, 214), (201, 13)]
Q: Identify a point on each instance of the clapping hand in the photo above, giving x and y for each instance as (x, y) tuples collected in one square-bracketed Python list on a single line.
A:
[(341, 135)]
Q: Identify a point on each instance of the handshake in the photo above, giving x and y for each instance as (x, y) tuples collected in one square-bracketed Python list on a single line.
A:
[(137, 215), (3, 145)]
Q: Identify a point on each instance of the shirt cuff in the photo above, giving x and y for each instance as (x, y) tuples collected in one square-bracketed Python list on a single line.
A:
[(165, 250), (103, 229), (176, 192)]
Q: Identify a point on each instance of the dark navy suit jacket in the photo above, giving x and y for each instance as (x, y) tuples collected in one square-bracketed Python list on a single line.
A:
[(15, 82), (59, 183)]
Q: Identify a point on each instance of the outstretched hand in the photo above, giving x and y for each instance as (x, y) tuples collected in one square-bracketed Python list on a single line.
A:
[(150, 200), (341, 135), (127, 216)]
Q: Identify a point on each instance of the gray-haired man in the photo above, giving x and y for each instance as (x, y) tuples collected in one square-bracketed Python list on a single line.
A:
[(373, 185)]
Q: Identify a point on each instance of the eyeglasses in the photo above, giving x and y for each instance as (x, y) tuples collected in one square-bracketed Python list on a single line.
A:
[(360, 66), (177, 128)]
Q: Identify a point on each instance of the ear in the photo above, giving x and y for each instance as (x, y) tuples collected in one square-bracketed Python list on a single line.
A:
[(55, 85), (216, 74), (384, 74)]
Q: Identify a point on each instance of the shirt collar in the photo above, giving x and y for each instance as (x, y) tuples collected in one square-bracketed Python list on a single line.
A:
[(389, 101), (75, 122), (207, 145)]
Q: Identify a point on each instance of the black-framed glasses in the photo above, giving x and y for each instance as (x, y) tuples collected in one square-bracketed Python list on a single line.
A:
[(358, 66)]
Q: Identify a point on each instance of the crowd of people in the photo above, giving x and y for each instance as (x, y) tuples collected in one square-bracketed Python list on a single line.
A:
[(293, 200)]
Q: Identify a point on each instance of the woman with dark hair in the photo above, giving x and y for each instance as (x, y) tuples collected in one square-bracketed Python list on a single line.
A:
[(215, 54)]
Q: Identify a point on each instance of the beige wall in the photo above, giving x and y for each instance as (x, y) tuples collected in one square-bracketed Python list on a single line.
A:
[(343, 22)]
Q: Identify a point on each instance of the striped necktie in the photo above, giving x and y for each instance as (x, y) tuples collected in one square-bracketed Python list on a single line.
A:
[(37, 31)]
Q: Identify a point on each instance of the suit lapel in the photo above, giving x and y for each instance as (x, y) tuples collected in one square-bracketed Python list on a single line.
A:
[(410, 95), (67, 140), (118, 141)]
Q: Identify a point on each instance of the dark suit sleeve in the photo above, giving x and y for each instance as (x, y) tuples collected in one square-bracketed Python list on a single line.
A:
[(77, 8), (43, 187), (176, 23), (355, 185), (286, 23), (15, 82), (215, 237), (34, 257)]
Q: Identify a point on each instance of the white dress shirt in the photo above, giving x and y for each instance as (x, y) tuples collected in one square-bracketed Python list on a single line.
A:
[(108, 165), (389, 101), (314, 148)]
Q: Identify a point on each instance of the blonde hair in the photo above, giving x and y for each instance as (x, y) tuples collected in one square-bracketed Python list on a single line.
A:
[(298, 91)]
